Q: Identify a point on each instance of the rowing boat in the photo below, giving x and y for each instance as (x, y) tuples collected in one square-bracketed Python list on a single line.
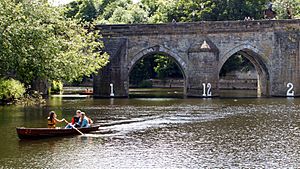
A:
[(39, 133), (86, 93)]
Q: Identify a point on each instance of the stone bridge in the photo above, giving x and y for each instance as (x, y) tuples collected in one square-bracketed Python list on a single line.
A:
[(200, 49)]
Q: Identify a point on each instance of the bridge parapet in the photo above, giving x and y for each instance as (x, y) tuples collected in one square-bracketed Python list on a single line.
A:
[(201, 49), (204, 27)]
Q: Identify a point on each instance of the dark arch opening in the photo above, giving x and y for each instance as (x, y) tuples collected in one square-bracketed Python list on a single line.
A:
[(156, 75), (244, 75)]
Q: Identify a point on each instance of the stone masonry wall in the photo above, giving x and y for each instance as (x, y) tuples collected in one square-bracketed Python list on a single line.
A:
[(201, 49)]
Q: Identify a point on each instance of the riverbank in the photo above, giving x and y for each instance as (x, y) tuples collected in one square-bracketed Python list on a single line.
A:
[(28, 99)]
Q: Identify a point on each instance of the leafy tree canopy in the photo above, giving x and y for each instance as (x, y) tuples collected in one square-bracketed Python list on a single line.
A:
[(287, 9), (162, 11), (38, 42), (216, 10)]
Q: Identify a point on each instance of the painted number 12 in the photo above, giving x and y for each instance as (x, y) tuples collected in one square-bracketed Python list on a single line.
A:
[(206, 89)]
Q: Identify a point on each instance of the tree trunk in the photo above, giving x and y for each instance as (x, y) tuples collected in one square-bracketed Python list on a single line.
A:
[(40, 85)]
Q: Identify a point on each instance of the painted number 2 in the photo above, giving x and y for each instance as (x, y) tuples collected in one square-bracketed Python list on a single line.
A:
[(290, 91), (206, 89)]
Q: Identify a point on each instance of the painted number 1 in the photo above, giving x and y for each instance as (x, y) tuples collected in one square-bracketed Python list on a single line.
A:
[(112, 90), (290, 91), (208, 91)]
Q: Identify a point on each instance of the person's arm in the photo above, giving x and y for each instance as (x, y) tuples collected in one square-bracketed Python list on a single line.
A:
[(85, 123), (59, 120), (78, 123)]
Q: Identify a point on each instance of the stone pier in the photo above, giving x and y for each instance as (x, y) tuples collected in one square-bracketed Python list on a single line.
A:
[(200, 49)]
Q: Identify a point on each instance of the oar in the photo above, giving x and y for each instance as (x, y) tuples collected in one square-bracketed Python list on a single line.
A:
[(75, 128)]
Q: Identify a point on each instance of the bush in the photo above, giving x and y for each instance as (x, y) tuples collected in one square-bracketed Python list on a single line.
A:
[(56, 86), (145, 84), (11, 89)]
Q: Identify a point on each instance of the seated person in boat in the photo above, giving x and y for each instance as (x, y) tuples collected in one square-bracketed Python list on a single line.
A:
[(74, 121), (83, 121), (52, 120), (90, 120)]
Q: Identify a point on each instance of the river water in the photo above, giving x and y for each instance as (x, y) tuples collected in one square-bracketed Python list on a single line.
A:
[(159, 133)]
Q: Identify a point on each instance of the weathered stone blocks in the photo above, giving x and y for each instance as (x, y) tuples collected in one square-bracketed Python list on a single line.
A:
[(201, 49)]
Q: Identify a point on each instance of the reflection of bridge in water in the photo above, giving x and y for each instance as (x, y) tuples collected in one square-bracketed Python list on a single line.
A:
[(201, 49)]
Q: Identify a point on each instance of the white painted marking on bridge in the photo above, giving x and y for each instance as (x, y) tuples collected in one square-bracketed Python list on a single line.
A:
[(290, 92)]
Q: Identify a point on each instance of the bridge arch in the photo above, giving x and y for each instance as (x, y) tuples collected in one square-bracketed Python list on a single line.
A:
[(261, 63), (158, 50), (182, 65)]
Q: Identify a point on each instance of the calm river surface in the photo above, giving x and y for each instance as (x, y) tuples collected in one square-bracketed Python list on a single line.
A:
[(160, 133)]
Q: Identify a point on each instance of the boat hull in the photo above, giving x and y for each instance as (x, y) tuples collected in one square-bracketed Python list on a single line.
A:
[(40, 133), (86, 93)]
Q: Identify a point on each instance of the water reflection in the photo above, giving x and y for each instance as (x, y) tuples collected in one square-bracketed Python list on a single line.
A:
[(160, 133), (156, 93), (178, 93)]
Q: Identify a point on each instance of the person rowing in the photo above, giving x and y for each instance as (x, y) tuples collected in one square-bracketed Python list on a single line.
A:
[(52, 120), (74, 121), (80, 120)]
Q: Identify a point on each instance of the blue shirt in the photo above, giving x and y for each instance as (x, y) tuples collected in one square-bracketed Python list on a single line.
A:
[(84, 123)]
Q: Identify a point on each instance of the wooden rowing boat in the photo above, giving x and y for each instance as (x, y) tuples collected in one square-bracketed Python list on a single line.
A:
[(39, 133), (87, 92)]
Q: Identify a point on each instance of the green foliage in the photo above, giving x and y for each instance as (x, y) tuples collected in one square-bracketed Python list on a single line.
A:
[(155, 66), (123, 12), (56, 86), (211, 10), (166, 68), (37, 42), (11, 89), (104, 12), (287, 9), (236, 62), (162, 11), (83, 10), (143, 70), (158, 10)]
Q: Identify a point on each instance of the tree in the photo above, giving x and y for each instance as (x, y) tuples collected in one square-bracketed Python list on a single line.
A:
[(123, 12), (155, 66), (216, 10), (83, 10), (158, 9), (143, 70), (38, 43), (166, 67), (107, 12), (287, 9), (236, 62)]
